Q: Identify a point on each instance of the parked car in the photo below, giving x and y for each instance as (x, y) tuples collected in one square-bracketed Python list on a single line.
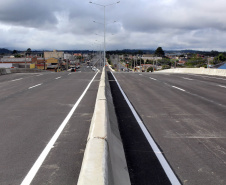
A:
[(73, 69)]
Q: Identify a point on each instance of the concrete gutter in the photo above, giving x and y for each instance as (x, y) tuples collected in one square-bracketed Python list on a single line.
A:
[(205, 71), (104, 161)]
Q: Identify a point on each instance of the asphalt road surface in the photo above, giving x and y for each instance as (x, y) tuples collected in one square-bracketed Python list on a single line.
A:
[(185, 114), (33, 106)]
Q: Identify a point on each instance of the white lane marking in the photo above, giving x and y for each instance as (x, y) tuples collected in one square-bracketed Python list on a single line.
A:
[(187, 78), (16, 79), (152, 78), (69, 74), (140, 74), (34, 86), (58, 78), (169, 172), (178, 88), (39, 75), (31, 174), (222, 86)]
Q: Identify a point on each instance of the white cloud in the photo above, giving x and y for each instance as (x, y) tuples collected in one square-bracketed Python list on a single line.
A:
[(144, 24)]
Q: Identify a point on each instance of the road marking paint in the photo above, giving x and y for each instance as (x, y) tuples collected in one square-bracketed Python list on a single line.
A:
[(39, 75), (222, 86), (69, 74), (16, 79), (178, 88), (140, 74), (31, 174), (169, 172), (187, 78), (34, 86), (58, 78), (152, 78)]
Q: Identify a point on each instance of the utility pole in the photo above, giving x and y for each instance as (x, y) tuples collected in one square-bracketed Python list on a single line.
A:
[(26, 61), (140, 65)]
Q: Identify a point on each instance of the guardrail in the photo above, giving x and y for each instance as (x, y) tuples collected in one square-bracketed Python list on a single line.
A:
[(104, 160)]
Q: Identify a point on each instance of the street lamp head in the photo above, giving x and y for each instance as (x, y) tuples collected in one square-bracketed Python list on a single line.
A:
[(90, 2), (118, 2)]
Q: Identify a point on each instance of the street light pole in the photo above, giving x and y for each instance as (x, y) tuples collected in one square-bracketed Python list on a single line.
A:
[(104, 27), (104, 38)]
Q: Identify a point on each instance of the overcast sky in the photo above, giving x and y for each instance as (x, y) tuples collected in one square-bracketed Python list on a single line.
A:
[(140, 24)]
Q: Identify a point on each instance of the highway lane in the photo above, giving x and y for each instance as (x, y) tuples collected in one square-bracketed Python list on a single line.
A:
[(31, 116), (186, 116), (211, 89)]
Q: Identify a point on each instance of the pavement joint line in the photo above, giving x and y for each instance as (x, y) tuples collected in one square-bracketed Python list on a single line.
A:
[(34, 86), (34, 169), (166, 167), (178, 88)]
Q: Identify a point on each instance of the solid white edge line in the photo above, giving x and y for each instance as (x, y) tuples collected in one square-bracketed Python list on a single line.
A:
[(169, 172), (34, 86), (31, 174), (178, 88)]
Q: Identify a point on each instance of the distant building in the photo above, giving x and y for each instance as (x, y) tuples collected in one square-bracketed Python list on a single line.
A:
[(77, 54), (39, 62), (150, 57), (54, 54)]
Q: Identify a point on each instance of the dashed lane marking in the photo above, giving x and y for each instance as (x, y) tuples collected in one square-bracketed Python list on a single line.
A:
[(187, 78), (178, 88), (34, 86), (16, 79), (222, 86)]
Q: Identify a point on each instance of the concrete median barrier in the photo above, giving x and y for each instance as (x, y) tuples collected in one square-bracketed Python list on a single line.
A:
[(104, 159), (209, 71)]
